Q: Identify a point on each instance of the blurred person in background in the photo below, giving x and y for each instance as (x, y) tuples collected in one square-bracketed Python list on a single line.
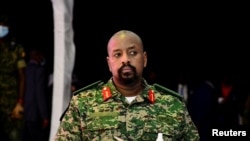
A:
[(201, 103), (12, 83), (227, 102), (35, 100)]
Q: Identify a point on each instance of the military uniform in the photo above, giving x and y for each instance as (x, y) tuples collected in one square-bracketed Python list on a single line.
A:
[(100, 113), (11, 58)]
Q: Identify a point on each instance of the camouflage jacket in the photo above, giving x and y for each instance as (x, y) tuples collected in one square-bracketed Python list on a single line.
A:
[(100, 113), (12, 58)]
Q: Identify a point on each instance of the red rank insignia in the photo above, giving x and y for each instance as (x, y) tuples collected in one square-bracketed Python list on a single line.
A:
[(106, 93), (151, 96)]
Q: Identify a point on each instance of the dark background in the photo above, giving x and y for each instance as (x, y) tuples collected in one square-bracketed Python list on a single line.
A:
[(207, 38)]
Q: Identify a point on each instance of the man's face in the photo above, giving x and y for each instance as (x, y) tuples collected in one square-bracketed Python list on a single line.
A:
[(126, 59)]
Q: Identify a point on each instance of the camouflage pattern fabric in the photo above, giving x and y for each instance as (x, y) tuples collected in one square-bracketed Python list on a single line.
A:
[(11, 58), (91, 118)]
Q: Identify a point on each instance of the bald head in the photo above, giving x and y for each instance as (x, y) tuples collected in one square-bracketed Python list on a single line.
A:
[(125, 35)]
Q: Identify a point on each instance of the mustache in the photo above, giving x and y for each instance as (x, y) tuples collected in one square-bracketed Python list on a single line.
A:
[(126, 65)]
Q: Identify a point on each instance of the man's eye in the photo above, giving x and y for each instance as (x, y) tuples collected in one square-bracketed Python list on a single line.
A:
[(133, 53), (117, 54)]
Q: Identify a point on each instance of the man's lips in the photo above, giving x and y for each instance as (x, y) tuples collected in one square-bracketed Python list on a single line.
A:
[(126, 69)]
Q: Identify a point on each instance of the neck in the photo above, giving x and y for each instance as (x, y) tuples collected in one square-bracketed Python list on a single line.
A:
[(129, 90)]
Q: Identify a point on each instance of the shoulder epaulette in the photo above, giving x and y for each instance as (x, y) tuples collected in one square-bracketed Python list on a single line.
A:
[(166, 90), (92, 85)]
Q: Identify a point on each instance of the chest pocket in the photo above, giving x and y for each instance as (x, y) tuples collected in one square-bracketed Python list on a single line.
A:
[(102, 125), (159, 124)]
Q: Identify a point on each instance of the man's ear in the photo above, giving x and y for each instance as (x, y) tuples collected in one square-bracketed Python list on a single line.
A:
[(107, 59)]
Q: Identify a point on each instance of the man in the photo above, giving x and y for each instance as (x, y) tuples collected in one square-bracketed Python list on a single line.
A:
[(12, 83), (36, 113), (126, 107)]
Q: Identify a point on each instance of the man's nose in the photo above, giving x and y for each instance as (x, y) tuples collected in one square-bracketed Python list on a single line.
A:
[(125, 58)]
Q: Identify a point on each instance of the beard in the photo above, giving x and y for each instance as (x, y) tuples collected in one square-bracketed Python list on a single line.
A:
[(127, 77)]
